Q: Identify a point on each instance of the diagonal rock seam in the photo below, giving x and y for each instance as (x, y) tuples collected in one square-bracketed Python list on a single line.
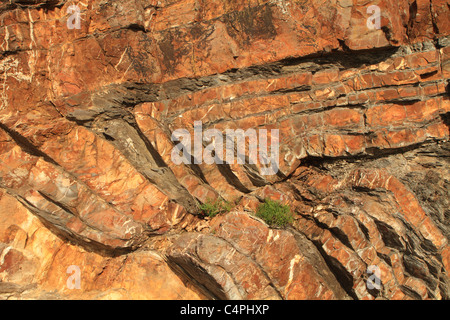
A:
[(345, 162)]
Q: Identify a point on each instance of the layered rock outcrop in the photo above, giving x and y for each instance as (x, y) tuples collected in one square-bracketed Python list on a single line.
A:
[(87, 177)]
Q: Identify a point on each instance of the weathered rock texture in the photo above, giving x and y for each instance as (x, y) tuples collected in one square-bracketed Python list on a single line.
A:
[(86, 176)]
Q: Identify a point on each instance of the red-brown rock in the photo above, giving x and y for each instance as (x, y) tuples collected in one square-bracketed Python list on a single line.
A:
[(86, 171)]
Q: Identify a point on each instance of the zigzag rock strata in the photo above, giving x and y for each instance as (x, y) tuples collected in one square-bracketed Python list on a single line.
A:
[(86, 123)]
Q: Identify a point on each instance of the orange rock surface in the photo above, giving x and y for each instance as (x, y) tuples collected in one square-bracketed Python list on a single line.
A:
[(92, 205)]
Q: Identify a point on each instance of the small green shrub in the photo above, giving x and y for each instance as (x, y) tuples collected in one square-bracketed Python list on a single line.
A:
[(275, 214), (212, 208)]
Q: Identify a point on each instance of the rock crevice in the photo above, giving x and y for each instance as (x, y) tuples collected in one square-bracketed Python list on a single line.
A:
[(87, 178)]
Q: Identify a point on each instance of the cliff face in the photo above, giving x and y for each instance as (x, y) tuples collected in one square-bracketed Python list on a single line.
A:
[(87, 177)]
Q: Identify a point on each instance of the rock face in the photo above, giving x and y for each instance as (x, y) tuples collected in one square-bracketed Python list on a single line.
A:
[(93, 206)]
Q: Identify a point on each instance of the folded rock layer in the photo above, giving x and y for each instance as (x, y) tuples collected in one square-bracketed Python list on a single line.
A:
[(94, 206)]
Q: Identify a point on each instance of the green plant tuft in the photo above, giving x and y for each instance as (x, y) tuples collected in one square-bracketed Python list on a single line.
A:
[(275, 214), (212, 208)]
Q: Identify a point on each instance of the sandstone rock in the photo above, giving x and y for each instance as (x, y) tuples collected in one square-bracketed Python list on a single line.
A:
[(35, 262), (86, 171)]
